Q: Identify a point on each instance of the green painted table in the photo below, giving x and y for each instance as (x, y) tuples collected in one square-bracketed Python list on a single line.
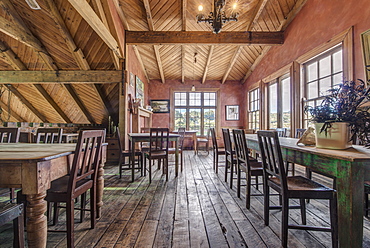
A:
[(350, 167)]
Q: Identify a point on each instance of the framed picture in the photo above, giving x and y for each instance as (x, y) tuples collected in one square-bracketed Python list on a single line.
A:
[(160, 106), (232, 112), (139, 90), (132, 79)]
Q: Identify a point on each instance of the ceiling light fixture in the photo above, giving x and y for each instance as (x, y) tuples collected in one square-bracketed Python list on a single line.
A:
[(217, 17), (33, 4)]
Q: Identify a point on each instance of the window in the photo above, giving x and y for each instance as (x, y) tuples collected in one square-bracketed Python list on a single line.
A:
[(320, 74), (195, 111), (279, 94), (254, 109)]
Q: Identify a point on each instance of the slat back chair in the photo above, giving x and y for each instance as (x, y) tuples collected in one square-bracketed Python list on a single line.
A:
[(245, 163), (9, 134), (203, 141), (282, 131), (299, 132), (250, 131), (172, 150), (217, 151), (292, 187), (82, 177), (158, 150), (230, 159), (49, 135)]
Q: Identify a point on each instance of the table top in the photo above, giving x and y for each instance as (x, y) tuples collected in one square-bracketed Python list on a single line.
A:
[(354, 154), (32, 151)]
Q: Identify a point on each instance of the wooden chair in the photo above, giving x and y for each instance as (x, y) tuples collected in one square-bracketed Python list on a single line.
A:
[(249, 131), (9, 135), (203, 142), (49, 135), (245, 163), (281, 131), (291, 187), (172, 150), (298, 133), (82, 177), (158, 150), (217, 151), (230, 156), (123, 165), (14, 212)]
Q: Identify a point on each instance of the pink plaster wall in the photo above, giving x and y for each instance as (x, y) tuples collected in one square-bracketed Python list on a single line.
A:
[(316, 23), (231, 93)]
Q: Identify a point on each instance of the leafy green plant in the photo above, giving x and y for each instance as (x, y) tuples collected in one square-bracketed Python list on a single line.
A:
[(346, 102)]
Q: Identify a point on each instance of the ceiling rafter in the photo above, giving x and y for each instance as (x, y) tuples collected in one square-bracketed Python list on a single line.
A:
[(156, 48), (210, 53), (51, 101), (89, 15), (19, 31), (183, 50), (127, 27), (296, 8), (12, 113), (231, 64), (183, 14), (183, 53)]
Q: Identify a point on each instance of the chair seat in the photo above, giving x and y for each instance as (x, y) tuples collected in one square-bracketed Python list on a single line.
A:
[(128, 152), (173, 150), (60, 186), (299, 186)]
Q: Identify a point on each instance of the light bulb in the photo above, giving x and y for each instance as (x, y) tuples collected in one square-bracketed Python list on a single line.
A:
[(235, 5), (200, 8)]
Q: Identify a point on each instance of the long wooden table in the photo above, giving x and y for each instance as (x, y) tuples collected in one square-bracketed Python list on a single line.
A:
[(145, 137), (350, 167), (32, 167)]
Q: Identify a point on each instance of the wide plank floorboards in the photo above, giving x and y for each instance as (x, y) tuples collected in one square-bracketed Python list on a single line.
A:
[(196, 209)]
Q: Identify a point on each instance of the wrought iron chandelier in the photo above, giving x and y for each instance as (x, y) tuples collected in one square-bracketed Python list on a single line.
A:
[(217, 17)]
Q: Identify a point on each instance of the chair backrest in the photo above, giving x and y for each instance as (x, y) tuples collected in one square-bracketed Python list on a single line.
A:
[(227, 141), (272, 159), (145, 130), (241, 147), (9, 134), (159, 140), (49, 135), (181, 132), (281, 131), (249, 131), (86, 159), (214, 139), (299, 132)]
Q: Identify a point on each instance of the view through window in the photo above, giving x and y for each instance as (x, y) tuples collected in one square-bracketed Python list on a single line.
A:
[(254, 109)]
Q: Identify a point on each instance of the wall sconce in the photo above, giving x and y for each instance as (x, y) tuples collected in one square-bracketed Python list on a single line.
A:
[(193, 88)]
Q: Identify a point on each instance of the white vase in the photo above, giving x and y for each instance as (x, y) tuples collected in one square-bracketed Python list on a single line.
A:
[(336, 137)]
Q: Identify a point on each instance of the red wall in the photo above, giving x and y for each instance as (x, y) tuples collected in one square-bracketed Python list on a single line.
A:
[(231, 93), (316, 23)]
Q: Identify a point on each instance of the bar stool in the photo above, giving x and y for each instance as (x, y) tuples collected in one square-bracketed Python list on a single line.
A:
[(13, 212)]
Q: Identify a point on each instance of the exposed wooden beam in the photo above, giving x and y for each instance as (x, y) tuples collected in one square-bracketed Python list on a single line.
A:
[(121, 15), (61, 76), (27, 103), (159, 62), (81, 105), (148, 15), (256, 13), (137, 53), (201, 37), (210, 52), (19, 31), (11, 57), (183, 54), (51, 101), (75, 51), (85, 10), (183, 14), (232, 62), (5, 108)]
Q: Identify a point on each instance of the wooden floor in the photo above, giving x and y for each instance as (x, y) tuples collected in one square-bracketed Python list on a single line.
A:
[(197, 209)]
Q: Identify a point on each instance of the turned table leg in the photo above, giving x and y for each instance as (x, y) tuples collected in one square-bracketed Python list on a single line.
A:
[(99, 190), (37, 222)]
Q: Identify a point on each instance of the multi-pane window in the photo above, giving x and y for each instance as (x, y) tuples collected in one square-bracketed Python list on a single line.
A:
[(254, 109), (320, 74), (195, 111), (279, 94)]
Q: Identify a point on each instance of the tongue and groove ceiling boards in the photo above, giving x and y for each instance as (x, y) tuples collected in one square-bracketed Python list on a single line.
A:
[(54, 61)]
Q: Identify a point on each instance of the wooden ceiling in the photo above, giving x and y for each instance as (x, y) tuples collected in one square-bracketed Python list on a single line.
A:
[(51, 54)]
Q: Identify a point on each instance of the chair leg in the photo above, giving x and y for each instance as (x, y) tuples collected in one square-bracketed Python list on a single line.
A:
[(334, 221), (83, 206), (266, 203), (70, 223), (18, 227), (284, 222), (231, 174), (303, 211), (256, 180), (238, 182), (366, 200), (216, 165), (248, 189), (93, 206), (55, 213), (226, 168)]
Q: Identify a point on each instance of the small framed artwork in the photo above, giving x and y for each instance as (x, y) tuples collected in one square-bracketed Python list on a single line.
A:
[(232, 112), (132, 79), (160, 106), (139, 90)]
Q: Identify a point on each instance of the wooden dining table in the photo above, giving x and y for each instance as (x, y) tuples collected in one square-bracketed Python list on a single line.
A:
[(32, 167), (145, 137), (349, 167)]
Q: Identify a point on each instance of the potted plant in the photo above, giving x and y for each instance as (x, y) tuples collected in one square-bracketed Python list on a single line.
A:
[(343, 116)]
